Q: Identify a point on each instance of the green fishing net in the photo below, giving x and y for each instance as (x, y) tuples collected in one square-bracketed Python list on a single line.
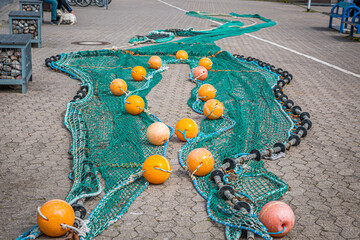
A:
[(111, 144)]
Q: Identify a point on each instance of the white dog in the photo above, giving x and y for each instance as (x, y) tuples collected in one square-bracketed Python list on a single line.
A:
[(66, 18)]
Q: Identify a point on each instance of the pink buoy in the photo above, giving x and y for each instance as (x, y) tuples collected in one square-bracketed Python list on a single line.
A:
[(200, 73), (278, 218)]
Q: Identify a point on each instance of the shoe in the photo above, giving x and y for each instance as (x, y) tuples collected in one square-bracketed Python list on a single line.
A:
[(54, 22)]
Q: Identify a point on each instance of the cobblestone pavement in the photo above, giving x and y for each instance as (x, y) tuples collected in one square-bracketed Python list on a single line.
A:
[(323, 172)]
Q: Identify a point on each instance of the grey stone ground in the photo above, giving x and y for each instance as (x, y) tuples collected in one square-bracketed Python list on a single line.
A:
[(323, 172)]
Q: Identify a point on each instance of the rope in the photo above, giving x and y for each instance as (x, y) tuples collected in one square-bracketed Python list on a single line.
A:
[(240, 154), (194, 107), (212, 111), (81, 232), (41, 215), (71, 177), (184, 134), (206, 96), (83, 225), (278, 232), (196, 169), (122, 90), (31, 234), (199, 76), (225, 178), (247, 196), (157, 168), (135, 176), (275, 156)]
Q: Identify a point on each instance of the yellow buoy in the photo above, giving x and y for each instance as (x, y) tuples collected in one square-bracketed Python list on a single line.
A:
[(52, 214), (118, 87), (188, 126), (182, 55), (134, 105), (213, 109), (200, 162), (157, 169), (155, 62), (206, 62), (206, 92), (138, 73)]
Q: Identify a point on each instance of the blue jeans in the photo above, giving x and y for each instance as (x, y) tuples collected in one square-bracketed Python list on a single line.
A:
[(53, 8)]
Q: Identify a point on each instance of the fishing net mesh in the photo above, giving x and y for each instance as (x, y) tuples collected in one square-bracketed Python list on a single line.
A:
[(111, 144)]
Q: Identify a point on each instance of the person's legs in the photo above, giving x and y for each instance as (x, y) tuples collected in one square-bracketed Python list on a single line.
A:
[(60, 5), (54, 5)]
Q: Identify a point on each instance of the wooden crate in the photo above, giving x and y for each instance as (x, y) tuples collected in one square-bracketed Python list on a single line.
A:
[(21, 22), (32, 6), (15, 60)]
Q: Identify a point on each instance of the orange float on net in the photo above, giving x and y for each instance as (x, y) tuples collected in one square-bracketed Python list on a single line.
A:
[(213, 109), (206, 62), (157, 169), (158, 133), (188, 126), (206, 92), (52, 214), (182, 55), (118, 87), (200, 73), (155, 62), (200, 162), (277, 217), (134, 105), (138, 73)]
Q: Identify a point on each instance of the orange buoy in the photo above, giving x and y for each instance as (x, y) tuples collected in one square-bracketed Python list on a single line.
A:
[(213, 109), (182, 55), (200, 162), (134, 105), (52, 214), (138, 73), (200, 73), (158, 133), (206, 92), (277, 217), (118, 87), (189, 126), (206, 62), (157, 169), (155, 62)]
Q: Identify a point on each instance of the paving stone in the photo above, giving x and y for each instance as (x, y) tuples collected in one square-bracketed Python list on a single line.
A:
[(203, 235), (110, 233), (201, 227), (312, 231), (182, 233), (165, 236), (321, 171), (331, 235), (328, 224), (149, 220), (350, 232), (164, 226)]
